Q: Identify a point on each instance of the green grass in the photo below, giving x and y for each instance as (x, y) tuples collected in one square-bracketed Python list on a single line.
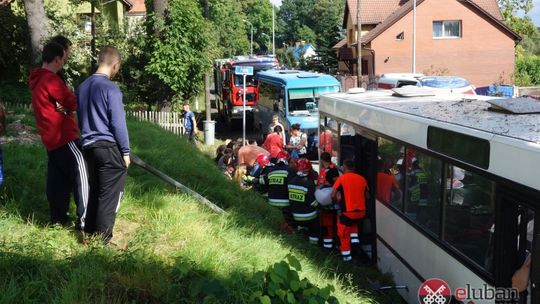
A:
[(178, 249)]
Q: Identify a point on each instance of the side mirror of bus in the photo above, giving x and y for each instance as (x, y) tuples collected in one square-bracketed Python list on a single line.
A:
[(276, 106)]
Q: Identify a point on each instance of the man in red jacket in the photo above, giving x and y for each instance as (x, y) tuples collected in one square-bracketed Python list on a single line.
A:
[(53, 104)]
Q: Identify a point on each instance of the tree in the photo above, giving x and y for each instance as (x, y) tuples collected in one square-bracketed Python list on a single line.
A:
[(14, 49), (182, 55), (294, 17), (509, 7), (160, 8), (317, 22), (328, 30), (523, 26), (228, 27), (259, 13), (37, 25)]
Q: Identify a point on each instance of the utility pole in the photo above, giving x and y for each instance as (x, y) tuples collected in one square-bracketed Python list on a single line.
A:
[(251, 40), (209, 125), (414, 38), (273, 29), (358, 44)]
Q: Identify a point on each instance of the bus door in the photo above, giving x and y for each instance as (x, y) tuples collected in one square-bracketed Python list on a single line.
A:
[(362, 149), (535, 263), (517, 243)]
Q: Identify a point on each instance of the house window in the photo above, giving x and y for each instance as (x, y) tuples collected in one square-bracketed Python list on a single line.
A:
[(400, 36), (447, 29)]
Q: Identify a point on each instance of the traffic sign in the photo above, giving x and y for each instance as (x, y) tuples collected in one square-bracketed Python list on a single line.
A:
[(243, 70)]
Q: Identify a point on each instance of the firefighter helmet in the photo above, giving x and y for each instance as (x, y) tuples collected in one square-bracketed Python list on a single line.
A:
[(304, 165), (283, 155), (263, 160)]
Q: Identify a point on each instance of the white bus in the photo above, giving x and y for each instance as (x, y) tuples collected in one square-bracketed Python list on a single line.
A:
[(454, 189)]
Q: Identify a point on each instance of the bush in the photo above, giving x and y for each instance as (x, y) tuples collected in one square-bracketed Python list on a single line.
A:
[(527, 70), (15, 93), (281, 284)]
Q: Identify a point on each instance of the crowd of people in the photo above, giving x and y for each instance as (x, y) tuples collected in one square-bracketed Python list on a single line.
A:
[(323, 206), (88, 156)]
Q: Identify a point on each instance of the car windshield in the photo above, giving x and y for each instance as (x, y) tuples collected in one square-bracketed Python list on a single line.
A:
[(306, 101), (239, 81), (444, 82)]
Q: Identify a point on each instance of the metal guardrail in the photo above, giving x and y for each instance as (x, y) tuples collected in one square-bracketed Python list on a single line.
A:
[(139, 162)]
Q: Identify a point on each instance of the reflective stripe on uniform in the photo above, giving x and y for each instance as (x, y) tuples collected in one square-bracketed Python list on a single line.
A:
[(305, 216), (328, 243), (278, 202), (298, 188), (284, 172)]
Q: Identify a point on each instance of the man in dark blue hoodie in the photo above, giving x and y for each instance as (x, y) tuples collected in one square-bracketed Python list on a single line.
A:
[(105, 142)]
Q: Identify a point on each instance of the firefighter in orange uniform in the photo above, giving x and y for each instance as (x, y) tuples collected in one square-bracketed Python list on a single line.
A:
[(352, 206)]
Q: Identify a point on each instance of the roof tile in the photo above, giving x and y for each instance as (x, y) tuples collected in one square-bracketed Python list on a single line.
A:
[(376, 11)]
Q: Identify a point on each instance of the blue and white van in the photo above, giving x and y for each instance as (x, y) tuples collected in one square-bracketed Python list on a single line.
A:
[(294, 96)]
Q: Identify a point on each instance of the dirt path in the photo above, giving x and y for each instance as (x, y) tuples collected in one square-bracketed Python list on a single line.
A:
[(17, 132)]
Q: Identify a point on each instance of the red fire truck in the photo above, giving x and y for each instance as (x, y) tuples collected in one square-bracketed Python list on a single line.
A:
[(229, 87)]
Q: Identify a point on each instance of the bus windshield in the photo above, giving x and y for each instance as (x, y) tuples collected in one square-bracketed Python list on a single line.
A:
[(306, 101)]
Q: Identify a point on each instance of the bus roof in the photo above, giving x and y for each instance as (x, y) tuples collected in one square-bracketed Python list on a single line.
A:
[(514, 140), (297, 79), (469, 111)]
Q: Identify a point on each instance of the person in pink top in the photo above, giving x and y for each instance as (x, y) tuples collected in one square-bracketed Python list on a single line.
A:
[(274, 142), (326, 141)]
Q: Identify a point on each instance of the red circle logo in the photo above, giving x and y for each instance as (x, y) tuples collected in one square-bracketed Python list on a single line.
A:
[(434, 291)]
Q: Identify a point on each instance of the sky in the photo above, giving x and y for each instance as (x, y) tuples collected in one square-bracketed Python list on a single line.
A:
[(534, 13), (278, 2)]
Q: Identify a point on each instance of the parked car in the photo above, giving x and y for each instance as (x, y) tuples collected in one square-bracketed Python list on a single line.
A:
[(442, 84)]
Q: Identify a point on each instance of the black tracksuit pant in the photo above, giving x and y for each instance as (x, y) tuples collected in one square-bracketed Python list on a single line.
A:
[(107, 172), (67, 173)]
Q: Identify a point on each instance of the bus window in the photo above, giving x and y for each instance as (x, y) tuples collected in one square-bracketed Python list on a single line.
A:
[(347, 142), (526, 274), (280, 100), (390, 173), (469, 215), (347, 130), (301, 100), (423, 190), (328, 139)]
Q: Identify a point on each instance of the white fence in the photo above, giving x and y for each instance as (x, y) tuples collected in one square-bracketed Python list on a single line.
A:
[(170, 121), (16, 106)]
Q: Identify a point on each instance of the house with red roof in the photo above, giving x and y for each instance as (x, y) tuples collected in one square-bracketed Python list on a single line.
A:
[(135, 15), (465, 38)]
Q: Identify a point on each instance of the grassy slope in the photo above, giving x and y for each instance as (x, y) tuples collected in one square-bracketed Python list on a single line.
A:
[(175, 245)]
